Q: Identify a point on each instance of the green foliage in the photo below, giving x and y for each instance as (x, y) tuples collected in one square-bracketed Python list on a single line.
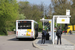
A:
[(21, 16), (73, 13), (8, 14), (3, 31), (40, 26), (60, 6), (30, 11)]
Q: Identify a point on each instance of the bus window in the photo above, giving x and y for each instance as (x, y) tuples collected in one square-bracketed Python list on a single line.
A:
[(24, 25)]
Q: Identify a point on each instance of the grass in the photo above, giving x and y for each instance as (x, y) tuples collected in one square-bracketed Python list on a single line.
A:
[(2, 35)]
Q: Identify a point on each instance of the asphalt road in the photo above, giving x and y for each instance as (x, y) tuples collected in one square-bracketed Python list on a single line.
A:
[(11, 43), (70, 38)]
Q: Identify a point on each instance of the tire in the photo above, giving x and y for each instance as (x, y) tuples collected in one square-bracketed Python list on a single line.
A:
[(19, 38)]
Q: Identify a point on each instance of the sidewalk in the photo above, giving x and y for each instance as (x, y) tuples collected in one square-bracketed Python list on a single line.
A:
[(66, 45)]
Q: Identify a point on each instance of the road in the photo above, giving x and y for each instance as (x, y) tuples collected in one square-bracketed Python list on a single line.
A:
[(11, 43), (70, 38)]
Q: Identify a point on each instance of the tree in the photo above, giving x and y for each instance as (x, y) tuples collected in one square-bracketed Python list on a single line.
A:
[(21, 16), (73, 12), (50, 12), (8, 14), (60, 6), (30, 10)]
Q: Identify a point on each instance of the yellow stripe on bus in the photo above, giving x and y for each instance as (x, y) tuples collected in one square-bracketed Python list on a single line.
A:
[(29, 30)]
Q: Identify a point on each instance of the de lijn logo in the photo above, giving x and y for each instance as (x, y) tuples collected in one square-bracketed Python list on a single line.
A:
[(63, 20)]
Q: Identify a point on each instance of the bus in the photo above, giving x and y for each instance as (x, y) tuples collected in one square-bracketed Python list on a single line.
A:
[(26, 29)]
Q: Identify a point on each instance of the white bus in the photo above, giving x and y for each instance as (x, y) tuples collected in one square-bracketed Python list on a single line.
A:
[(26, 29)]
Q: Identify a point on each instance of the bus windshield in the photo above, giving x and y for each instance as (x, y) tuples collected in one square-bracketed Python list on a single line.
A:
[(24, 24)]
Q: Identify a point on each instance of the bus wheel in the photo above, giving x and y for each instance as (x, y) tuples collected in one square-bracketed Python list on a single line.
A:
[(18, 38), (34, 38)]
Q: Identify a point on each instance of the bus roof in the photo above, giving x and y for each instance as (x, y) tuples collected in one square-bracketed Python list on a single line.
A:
[(27, 20)]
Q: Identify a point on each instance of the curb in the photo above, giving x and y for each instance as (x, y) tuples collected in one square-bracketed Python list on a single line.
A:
[(35, 45)]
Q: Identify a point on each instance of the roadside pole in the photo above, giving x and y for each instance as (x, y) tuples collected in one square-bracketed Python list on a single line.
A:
[(53, 29)]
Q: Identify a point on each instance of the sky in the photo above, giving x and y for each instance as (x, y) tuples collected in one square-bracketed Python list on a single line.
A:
[(46, 2)]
